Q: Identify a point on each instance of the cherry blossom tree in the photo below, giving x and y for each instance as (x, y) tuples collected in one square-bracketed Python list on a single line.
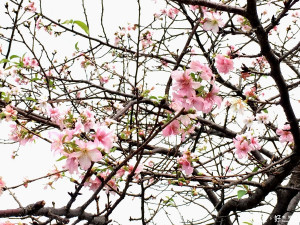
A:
[(189, 108)]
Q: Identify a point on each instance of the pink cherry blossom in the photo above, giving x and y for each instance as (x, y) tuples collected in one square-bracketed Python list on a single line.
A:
[(104, 137), (242, 147), (244, 144), (26, 61), (88, 153), (205, 71), (285, 134), (194, 7), (250, 92), (7, 223), (223, 64), (184, 84), (186, 119), (146, 39), (9, 112), (211, 98), (212, 21), (72, 163), (197, 102), (262, 118), (172, 12), (21, 134), (79, 128), (30, 7), (104, 79), (57, 139), (38, 23), (185, 163), (93, 183), (117, 41), (88, 119), (138, 169), (254, 144), (120, 172), (34, 63), (184, 101), (171, 129)]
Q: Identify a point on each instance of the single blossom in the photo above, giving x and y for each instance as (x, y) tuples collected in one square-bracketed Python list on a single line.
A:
[(72, 163), (248, 121), (212, 21), (223, 64), (93, 183), (58, 139), (9, 112), (237, 105), (172, 129), (285, 134), (184, 84), (87, 154), (138, 169), (211, 99), (104, 137)]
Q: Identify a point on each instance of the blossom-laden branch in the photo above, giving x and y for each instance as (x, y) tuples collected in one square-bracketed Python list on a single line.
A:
[(129, 109)]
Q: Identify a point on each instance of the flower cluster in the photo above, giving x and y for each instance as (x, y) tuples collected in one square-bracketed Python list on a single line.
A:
[(21, 134), (146, 39), (189, 93), (29, 62), (244, 144), (244, 23), (171, 13), (69, 142)]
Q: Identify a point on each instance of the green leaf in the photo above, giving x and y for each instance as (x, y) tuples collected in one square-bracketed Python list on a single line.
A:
[(254, 170), (82, 25), (248, 223), (30, 99), (153, 97), (265, 110), (193, 76), (68, 21), (76, 46), (241, 193), (14, 56), (4, 61), (62, 158)]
